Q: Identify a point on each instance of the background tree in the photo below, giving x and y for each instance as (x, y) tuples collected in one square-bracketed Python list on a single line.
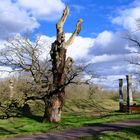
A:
[(134, 57), (134, 42), (48, 77)]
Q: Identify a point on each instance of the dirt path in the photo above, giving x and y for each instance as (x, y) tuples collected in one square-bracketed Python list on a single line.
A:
[(82, 132)]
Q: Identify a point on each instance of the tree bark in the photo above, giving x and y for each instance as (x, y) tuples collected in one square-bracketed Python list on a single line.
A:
[(53, 108), (55, 101), (60, 69)]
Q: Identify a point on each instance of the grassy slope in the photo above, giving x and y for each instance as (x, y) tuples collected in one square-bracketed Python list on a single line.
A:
[(24, 126), (79, 110)]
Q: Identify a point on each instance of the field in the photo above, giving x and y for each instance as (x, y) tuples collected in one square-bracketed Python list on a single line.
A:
[(81, 109)]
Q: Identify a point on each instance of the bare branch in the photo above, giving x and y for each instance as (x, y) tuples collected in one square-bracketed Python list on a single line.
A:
[(75, 33)]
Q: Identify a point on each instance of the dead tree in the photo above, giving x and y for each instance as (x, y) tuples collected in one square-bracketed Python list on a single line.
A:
[(48, 78), (135, 54), (61, 67)]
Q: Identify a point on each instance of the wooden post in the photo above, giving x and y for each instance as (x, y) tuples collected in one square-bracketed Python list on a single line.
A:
[(121, 101), (11, 86), (129, 92)]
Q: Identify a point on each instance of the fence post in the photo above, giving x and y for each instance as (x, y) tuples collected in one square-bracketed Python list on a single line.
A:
[(129, 92), (121, 101), (11, 86)]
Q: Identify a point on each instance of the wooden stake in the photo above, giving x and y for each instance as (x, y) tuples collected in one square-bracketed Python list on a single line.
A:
[(121, 101), (129, 92), (11, 86)]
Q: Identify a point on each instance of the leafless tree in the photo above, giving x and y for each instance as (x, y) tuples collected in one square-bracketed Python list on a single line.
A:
[(50, 76), (134, 58)]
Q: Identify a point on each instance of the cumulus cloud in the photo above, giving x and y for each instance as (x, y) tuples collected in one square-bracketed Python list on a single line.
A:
[(14, 20), (43, 9), (127, 17), (23, 15), (108, 64), (109, 82), (104, 58), (108, 42), (45, 44), (80, 48)]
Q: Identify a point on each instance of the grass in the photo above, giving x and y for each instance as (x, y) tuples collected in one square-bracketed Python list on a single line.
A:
[(125, 134), (78, 111), (26, 126), (90, 107)]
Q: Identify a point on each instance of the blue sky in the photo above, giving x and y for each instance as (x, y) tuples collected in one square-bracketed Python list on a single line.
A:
[(95, 13), (101, 41)]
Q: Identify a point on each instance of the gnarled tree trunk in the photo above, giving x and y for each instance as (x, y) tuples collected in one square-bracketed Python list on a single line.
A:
[(54, 101), (53, 107)]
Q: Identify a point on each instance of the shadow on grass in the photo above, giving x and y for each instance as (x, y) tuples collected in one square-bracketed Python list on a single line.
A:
[(110, 132), (30, 116), (4, 131), (34, 117), (25, 111)]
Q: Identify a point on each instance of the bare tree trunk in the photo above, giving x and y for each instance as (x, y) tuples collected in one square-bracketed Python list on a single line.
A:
[(60, 69), (55, 102), (53, 107)]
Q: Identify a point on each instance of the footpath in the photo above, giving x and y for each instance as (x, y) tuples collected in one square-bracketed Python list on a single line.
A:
[(85, 131)]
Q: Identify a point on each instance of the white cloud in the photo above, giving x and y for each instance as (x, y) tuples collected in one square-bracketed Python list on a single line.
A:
[(13, 19), (109, 82), (80, 48), (43, 9), (45, 44), (109, 43), (104, 38), (130, 68), (104, 58), (23, 15), (127, 17), (107, 60), (131, 49), (5, 72)]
